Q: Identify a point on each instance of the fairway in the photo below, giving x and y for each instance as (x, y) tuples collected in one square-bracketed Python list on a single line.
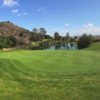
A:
[(50, 75)]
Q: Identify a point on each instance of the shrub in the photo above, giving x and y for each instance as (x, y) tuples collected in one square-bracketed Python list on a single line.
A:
[(84, 41), (44, 44), (6, 42), (36, 48), (47, 37), (21, 34)]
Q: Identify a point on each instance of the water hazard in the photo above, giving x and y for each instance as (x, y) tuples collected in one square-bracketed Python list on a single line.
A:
[(63, 47)]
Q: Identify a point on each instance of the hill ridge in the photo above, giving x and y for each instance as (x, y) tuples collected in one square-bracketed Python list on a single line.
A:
[(22, 35)]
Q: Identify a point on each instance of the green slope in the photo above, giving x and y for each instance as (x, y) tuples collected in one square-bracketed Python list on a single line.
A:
[(52, 75), (94, 47)]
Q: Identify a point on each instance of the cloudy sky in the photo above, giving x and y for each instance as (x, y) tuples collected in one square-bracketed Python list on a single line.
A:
[(73, 16)]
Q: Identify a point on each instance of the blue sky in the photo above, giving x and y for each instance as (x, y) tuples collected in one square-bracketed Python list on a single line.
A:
[(73, 16)]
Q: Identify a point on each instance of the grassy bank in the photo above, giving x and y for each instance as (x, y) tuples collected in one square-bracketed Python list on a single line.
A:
[(52, 75), (94, 46)]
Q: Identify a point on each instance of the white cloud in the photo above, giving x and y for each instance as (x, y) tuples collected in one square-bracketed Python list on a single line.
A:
[(67, 24), (95, 31), (10, 3), (88, 25), (15, 11), (41, 10), (22, 14), (88, 29), (91, 29)]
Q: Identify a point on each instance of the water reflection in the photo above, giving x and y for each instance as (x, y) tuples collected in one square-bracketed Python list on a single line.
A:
[(63, 47)]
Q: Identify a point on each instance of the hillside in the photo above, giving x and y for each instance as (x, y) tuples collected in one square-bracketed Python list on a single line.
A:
[(9, 29), (94, 46)]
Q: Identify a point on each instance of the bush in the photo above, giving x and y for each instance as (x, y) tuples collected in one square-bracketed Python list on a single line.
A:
[(6, 42), (84, 41), (47, 37), (44, 44), (36, 48), (21, 34), (13, 41)]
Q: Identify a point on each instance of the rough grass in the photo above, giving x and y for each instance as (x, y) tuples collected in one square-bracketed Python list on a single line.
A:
[(52, 75)]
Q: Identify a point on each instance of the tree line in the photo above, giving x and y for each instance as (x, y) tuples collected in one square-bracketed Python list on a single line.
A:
[(83, 41), (41, 34)]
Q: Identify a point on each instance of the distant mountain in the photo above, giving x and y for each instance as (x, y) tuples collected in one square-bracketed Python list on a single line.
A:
[(9, 29)]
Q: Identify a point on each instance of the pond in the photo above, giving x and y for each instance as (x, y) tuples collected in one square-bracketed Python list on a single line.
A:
[(63, 47)]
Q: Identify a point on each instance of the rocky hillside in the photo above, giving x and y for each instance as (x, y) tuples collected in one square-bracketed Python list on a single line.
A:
[(9, 29)]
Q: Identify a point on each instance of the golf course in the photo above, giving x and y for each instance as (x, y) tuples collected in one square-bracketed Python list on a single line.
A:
[(50, 74)]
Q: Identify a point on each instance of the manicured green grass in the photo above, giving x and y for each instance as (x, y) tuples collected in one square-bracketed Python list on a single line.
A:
[(50, 75), (95, 46)]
